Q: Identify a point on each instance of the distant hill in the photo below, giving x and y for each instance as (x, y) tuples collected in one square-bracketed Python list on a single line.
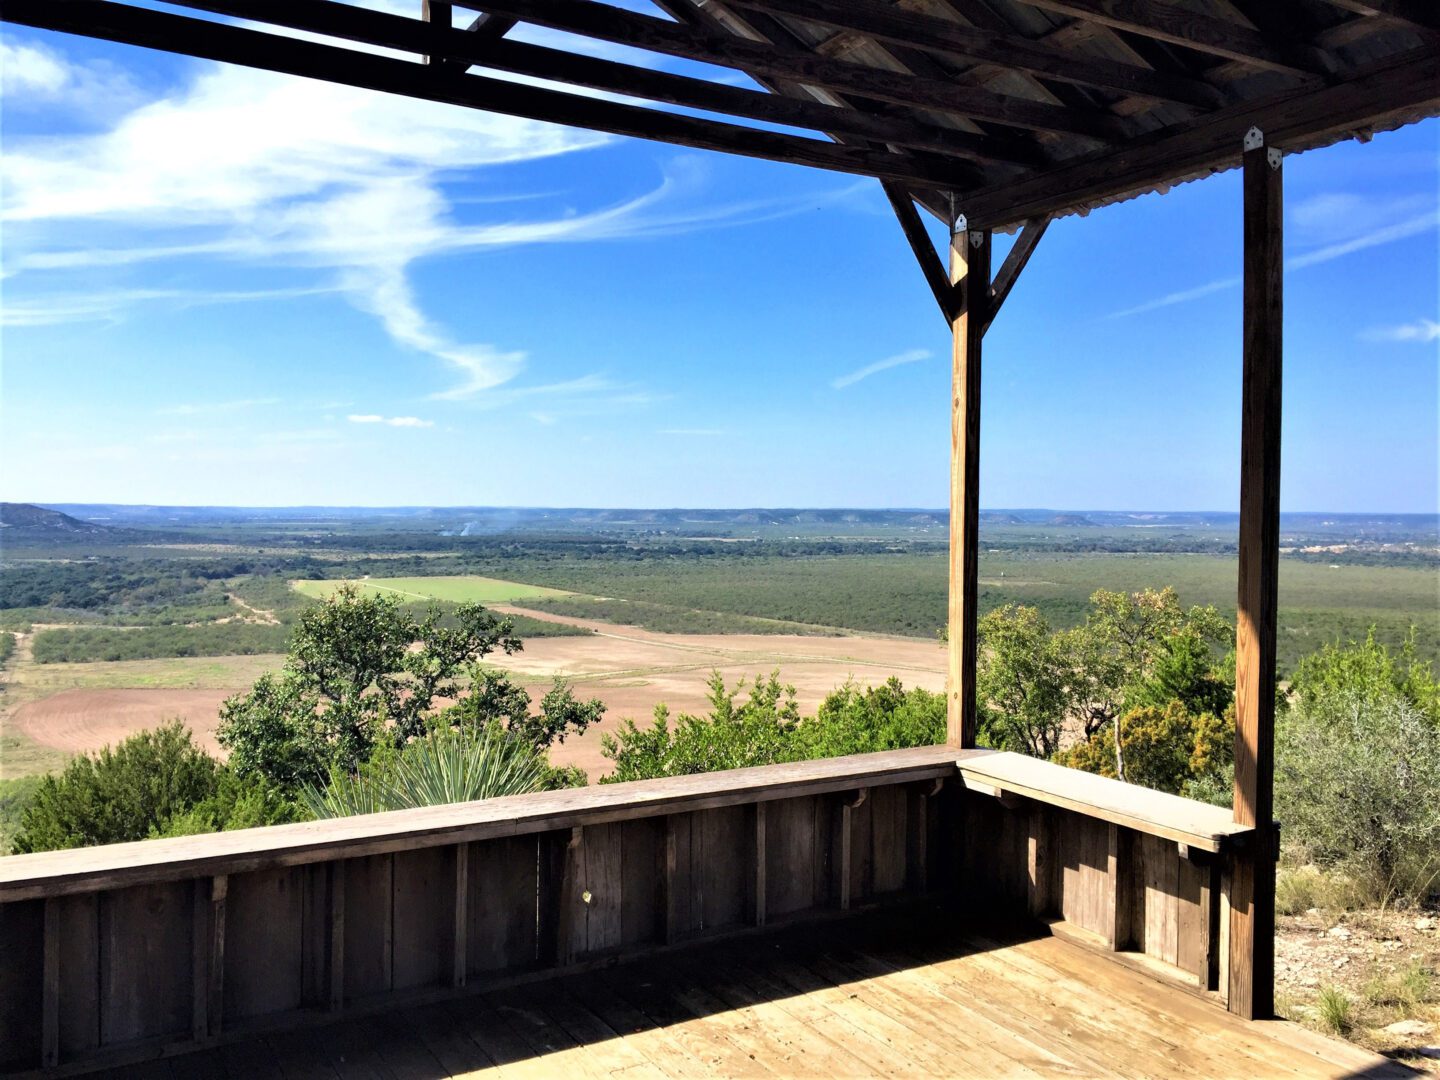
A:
[(37, 519)]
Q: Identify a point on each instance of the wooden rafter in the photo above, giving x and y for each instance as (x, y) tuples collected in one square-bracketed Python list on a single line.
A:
[(1411, 81), (1419, 14), (1014, 263), (944, 37), (272, 52), (1170, 23), (607, 23), (950, 297), (466, 48)]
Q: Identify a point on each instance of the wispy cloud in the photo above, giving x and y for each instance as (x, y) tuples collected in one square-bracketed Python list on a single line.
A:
[(239, 167), (1323, 218), (913, 356), (204, 408), (696, 432), (1421, 330), (391, 421)]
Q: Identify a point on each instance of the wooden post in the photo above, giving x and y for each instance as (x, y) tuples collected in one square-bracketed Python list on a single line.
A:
[(761, 889), (1252, 894), (335, 945), (970, 263)]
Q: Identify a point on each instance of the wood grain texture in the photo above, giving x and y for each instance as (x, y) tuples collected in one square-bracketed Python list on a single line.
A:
[(22, 971), (1252, 932), (88, 869), (264, 935), (1201, 825), (146, 972), (970, 264)]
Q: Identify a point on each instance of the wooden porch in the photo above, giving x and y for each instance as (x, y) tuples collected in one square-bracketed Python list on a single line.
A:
[(881, 995), (927, 911)]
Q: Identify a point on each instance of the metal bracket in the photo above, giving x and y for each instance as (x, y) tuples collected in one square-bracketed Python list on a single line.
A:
[(961, 225), (1272, 155), (976, 239), (1254, 139)]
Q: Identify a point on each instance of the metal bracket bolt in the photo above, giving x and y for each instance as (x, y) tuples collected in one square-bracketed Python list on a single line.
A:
[(1272, 155)]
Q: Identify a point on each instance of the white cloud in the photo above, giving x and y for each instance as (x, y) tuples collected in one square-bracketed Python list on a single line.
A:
[(911, 357), (204, 408), (392, 421), (1421, 330), (253, 168), (34, 77), (1344, 240)]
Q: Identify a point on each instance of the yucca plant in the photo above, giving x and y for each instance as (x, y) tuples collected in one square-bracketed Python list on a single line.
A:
[(441, 767)]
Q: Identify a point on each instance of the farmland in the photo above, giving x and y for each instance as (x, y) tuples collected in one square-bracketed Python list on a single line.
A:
[(127, 627), (456, 589)]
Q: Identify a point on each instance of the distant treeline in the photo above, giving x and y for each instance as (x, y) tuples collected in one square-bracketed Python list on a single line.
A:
[(154, 642)]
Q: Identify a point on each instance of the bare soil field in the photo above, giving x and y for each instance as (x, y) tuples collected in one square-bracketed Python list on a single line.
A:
[(74, 721), (74, 708)]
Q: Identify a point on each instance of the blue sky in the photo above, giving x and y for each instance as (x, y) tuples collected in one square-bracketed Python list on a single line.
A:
[(230, 287)]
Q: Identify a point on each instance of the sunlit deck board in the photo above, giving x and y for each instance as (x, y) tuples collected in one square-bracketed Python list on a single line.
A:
[(879, 996)]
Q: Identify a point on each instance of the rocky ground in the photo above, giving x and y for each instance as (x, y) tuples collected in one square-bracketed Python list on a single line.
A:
[(1373, 976)]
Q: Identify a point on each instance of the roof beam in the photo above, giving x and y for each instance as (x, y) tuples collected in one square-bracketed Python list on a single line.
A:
[(1010, 269), (589, 18), (1418, 14), (1407, 86), (465, 48), (1166, 22), (950, 297), (948, 38), (272, 52)]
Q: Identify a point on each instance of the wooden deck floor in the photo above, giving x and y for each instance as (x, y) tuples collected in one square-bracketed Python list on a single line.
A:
[(879, 996)]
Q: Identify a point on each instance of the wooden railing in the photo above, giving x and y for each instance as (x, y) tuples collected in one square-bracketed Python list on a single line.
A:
[(134, 950)]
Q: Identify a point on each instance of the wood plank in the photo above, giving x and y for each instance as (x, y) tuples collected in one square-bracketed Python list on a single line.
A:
[(1157, 813), (1015, 262), (466, 49), (762, 863), (622, 27), (945, 37), (1252, 931), (969, 263), (369, 926), (90, 869), (600, 889), (50, 986), (265, 938), (948, 297), (643, 849), (146, 942), (1175, 25), (79, 975), (356, 67), (503, 905), (423, 917), (335, 937), (460, 934), (1386, 93)]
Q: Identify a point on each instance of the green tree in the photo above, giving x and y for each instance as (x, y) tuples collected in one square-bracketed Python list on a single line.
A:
[(1125, 640), (360, 670), (1368, 669), (1022, 681)]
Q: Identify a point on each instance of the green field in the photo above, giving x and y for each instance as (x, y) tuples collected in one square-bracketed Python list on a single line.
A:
[(454, 589)]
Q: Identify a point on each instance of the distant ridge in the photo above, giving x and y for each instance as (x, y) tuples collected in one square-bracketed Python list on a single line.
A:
[(38, 519)]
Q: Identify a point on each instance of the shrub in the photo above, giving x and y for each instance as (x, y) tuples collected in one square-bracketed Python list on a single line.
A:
[(120, 794), (767, 729), (1357, 786), (1334, 1008), (442, 767)]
